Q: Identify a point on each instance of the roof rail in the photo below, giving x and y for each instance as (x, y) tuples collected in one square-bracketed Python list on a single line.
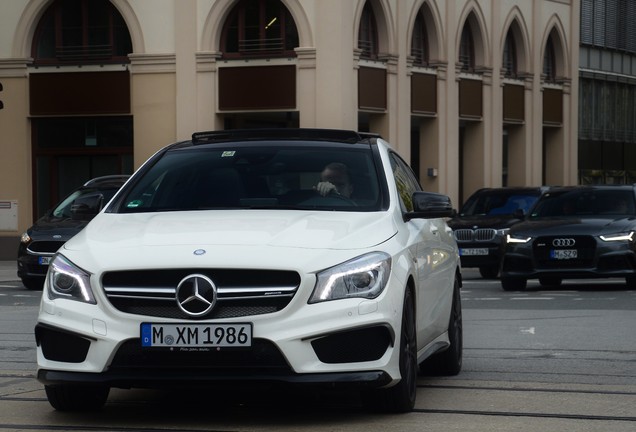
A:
[(297, 133)]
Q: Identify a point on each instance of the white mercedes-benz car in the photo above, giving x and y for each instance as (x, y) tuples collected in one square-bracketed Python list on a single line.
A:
[(294, 256)]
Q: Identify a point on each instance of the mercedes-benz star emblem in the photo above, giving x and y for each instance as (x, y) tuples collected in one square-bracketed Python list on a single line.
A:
[(196, 295)]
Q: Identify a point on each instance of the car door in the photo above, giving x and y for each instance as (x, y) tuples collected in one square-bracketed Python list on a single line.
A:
[(422, 241)]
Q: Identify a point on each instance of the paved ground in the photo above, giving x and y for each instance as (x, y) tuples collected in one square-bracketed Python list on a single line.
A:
[(8, 271)]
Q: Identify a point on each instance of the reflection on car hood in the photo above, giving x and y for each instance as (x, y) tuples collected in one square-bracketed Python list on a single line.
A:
[(574, 226), (292, 229), (498, 221), (47, 227)]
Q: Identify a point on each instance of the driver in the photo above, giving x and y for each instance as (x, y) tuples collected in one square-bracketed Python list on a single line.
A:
[(334, 178)]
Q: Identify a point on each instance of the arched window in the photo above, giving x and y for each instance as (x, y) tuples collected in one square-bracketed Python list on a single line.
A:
[(419, 42), (368, 33), (549, 62), (259, 28), (81, 31), (509, 63), (467, 50)]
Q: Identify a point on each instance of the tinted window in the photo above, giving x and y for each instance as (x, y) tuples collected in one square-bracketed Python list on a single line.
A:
[(498, 203), (230, 176), (405, 181), (63, 209), (582, 203)]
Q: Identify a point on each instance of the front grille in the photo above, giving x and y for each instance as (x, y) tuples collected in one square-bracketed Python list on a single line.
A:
[(45, 246), (585, 247), (262, 355), (479, 234), (240, 293)]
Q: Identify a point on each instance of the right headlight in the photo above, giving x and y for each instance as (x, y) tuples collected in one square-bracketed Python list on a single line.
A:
[(517, 238), (65, 280), (364, 276)]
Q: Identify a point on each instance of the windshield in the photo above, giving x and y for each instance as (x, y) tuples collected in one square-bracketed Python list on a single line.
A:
[(585, 203), (264, 177), (63, 209), (492, 203)]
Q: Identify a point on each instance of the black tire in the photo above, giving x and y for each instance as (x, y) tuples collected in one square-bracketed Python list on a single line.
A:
[(33, 284), (550, 281), (489, 272), (400, 398), (630, 282), (449, 361), (513, 284), (76, 398)]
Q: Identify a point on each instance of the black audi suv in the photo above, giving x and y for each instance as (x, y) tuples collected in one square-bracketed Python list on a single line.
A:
[(574, 233)]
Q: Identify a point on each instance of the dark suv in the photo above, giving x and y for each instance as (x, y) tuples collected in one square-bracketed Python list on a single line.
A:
[(481, 225), (67, 218), (576, 232)]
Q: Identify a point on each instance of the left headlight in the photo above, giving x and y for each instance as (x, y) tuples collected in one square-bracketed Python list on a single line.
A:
[(625, 236), (65, 280), (365, 277)]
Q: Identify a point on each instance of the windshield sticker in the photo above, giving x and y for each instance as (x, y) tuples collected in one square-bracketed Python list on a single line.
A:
[(228, 153), (134, 204)]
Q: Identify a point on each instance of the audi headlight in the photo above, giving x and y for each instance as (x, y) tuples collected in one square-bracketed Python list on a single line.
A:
[(517, 238), (625, 236), (25, 238), (65, 280), (503, 232), (364, 277)]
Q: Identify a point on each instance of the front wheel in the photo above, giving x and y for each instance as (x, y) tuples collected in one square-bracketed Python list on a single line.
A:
[(550, 281), (489, 272), (401, 397), (513, 284), (76, 397)]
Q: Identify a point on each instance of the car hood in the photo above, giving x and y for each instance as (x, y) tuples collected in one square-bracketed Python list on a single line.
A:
[(574, 226), (58, 229), (474, 222), (228, 238)]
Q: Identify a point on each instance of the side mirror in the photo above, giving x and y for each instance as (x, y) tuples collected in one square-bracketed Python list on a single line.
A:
[(518, 214), (87, 207), (430, 205)]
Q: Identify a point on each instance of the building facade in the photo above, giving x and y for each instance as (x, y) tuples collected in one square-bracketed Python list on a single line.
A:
[(473, 93), (607, 92)]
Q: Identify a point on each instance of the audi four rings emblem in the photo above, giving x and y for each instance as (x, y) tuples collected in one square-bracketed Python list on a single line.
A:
[(196, 295), (563, 242)]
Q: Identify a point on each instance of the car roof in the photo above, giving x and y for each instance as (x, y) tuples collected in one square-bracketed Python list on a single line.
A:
[(107, 181), (592, 187)]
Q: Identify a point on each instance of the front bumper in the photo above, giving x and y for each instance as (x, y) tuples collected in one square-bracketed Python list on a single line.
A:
[(604, 260), (339, 342)]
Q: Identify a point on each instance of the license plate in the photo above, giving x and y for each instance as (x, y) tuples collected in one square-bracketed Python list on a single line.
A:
[(236, 335), (563, 254), (44, 260), (473, 251)]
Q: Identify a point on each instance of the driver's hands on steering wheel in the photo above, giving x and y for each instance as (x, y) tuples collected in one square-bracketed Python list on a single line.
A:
[(324, 188)]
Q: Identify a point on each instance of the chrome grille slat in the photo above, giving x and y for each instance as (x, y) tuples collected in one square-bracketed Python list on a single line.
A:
[(479, 234), (239, 292)]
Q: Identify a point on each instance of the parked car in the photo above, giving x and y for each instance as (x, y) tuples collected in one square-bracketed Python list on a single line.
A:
[(40, 242), (574, 232), (481, 225), (293, 256)]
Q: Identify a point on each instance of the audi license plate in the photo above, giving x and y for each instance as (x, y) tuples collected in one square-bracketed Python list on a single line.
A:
[(235, 335), (44, 260), (473, 251), (563, 254)]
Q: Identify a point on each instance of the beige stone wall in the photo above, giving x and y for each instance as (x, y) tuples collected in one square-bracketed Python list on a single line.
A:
[(174, 70)]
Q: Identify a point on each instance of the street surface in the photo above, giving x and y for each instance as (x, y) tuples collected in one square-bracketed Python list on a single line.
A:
[(541, 360)]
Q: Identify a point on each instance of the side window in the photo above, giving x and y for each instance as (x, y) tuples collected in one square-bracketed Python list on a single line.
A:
[(405, 181)]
